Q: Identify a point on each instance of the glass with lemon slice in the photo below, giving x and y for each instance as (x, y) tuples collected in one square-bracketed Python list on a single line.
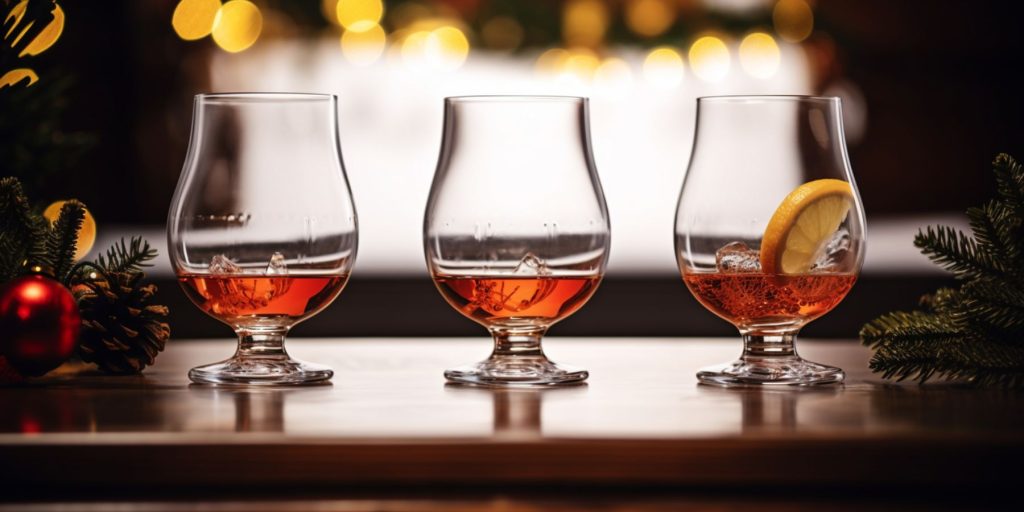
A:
[(769, 228)]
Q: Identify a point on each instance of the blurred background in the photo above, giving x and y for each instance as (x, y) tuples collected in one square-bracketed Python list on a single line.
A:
[(928, 92)]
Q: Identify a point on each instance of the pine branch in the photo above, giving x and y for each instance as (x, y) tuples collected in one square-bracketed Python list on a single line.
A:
[(995, 227), (127, 258), (973, 333), (22, 233), (957, 253), (62, 240)]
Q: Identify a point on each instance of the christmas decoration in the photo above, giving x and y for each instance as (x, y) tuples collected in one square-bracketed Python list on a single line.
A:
[(121, 328), (974, 332), (124, 330), (39, 321)]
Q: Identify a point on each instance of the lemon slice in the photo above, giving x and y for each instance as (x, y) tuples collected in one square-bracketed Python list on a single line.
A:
[(803, 224)]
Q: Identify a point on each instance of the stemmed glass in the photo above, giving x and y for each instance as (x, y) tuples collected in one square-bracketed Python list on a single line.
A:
[(262, 228), (516, 230), (769, 228)]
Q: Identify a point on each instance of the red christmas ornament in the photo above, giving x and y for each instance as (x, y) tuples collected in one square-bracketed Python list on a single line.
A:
[(39, 324)]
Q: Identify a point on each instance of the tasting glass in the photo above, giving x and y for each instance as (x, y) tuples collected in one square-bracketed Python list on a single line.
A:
[(262, 228), (516, 230), (749, 153)]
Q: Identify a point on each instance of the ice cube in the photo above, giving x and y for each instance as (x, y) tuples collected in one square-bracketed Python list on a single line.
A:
[(737, 257), (221, 264), (277, 265), (531, 265), (834, 256)]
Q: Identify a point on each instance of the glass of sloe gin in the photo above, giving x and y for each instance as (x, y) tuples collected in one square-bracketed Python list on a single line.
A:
[(516, 231), (769, 229), (262, 228)]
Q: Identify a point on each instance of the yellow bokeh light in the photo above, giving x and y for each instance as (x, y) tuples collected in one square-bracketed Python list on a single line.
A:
[(794, 20), (86, 233), (365, 47), (329, 9), (581, 63), (44, 39), (584, 22), (16, 75), (193, 19), (663, 67), (237, 25), (759, 55), (359, 15), (502, 33), (613, 77), (551, 61), (445, 47), (650, 18), (709, 58)]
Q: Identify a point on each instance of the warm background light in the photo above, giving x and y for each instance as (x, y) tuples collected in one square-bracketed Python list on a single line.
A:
[(86, 234), (650, 18), (193, 19), (502, 33), (709, 59), (794, 20), (759, 55), (663, 67), (237, 25), (16, 75), (365, 47), (359, 15), (584, 22)]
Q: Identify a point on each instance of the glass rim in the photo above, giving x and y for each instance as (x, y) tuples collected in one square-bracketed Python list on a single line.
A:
[(751, 98), (496, 98), (263, 97)]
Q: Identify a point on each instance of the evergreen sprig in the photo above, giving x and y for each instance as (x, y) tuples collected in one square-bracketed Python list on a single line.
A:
[(62, 239), (974, 332), (127, 258)]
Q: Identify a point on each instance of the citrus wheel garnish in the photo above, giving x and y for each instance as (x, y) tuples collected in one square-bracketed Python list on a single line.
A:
[(803, 224)]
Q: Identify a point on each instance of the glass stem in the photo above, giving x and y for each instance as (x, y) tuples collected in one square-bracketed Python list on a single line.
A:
[(518, 342), (766, 346), (263, 343)]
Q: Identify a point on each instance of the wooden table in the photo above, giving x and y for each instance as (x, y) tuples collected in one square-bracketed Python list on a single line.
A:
[(389, 426)]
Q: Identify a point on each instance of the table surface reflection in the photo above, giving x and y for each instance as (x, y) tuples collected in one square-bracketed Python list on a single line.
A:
[(389, 417)]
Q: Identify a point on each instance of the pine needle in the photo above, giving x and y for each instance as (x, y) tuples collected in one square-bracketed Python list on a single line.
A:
[(973, 333)]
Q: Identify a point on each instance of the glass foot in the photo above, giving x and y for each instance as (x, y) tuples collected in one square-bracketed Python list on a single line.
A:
[(268, 371), (775, 371), (517, 371)]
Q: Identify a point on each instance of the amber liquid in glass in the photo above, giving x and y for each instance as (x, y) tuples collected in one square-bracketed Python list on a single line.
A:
[(754, 298), (540, 300), (235, 299)]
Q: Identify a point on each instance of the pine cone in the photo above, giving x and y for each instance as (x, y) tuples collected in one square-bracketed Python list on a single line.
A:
[(122, 332)]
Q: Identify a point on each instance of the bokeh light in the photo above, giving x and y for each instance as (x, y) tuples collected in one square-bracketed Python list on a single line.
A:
[(794, 20), (650, 18), (363, 48), (86, 233), (552, 60), (445, 47), (359, 15), (613, 78), (44, 39), (579, 66), (709, 59), (329, 9), (759, 55), (584, 22), (193, 19), (502, 33), (663, 67), (237, 25), (16, 75)]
